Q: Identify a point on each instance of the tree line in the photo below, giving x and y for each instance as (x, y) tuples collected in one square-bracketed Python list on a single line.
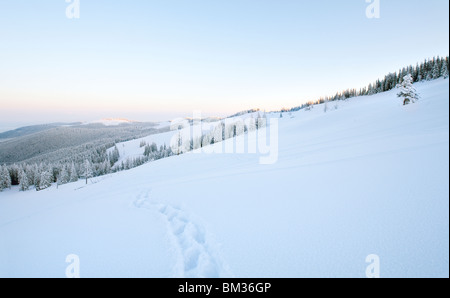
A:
[(97, 162), (428, 70)]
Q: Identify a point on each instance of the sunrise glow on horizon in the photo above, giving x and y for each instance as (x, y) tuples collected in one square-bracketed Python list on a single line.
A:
[(155, 61)]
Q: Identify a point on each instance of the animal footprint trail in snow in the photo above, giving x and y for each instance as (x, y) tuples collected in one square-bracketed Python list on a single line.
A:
[(143, 201), (196, 257)]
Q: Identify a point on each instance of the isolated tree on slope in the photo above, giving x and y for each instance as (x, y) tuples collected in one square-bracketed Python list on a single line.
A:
[(23, 181), (87, 170), (176, 144), (407, 91)]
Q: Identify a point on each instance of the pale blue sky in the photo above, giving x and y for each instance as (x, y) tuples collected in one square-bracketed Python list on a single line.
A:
[(156, 60)]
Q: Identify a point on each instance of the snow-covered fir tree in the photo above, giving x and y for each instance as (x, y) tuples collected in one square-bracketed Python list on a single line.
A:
[(251, 126), (429, 76), (14, 174), (262, 122), (239, 128), (114, 155), (5, 178), (177, 146), (197, 143), (106, 167), (436, 73), (257, 121), (206, 140), (31, 173), (37, 176), (87, 173), (64, 176), (73, 173), (24, 182), (407, 91), (444, 70), (45, 180), (1, 178)]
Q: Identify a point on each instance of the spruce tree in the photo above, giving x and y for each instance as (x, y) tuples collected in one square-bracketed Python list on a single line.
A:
[(64, 176), (429, 76), (87, 170), (1, 178), (5, 178), (407, 91), (37, 177), (257, 121), (73, 174), (115, 155), (45, 180), (106, 167), (23, 181), (444, 69), (31, 173), (14, 174), (436, 70)]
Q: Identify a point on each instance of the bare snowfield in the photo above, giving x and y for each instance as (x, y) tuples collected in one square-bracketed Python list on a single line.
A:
[(370, 177)]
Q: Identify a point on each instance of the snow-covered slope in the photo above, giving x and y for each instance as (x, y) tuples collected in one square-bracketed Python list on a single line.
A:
[(133, 149), (370, 177)]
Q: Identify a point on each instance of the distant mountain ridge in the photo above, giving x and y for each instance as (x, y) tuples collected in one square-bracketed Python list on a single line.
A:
[(57, 142), (113, 121), (31, 129)]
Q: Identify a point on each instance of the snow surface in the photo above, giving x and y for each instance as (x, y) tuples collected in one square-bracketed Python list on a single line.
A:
[(370, 177)]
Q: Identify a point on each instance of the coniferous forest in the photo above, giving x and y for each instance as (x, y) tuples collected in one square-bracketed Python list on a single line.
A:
[(426, 71)]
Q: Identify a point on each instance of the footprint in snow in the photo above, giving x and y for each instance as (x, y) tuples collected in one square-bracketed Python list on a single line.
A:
[(196, 258)]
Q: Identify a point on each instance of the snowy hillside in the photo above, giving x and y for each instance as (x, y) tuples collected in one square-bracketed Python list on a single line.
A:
[(368, 176), (133, 149)]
